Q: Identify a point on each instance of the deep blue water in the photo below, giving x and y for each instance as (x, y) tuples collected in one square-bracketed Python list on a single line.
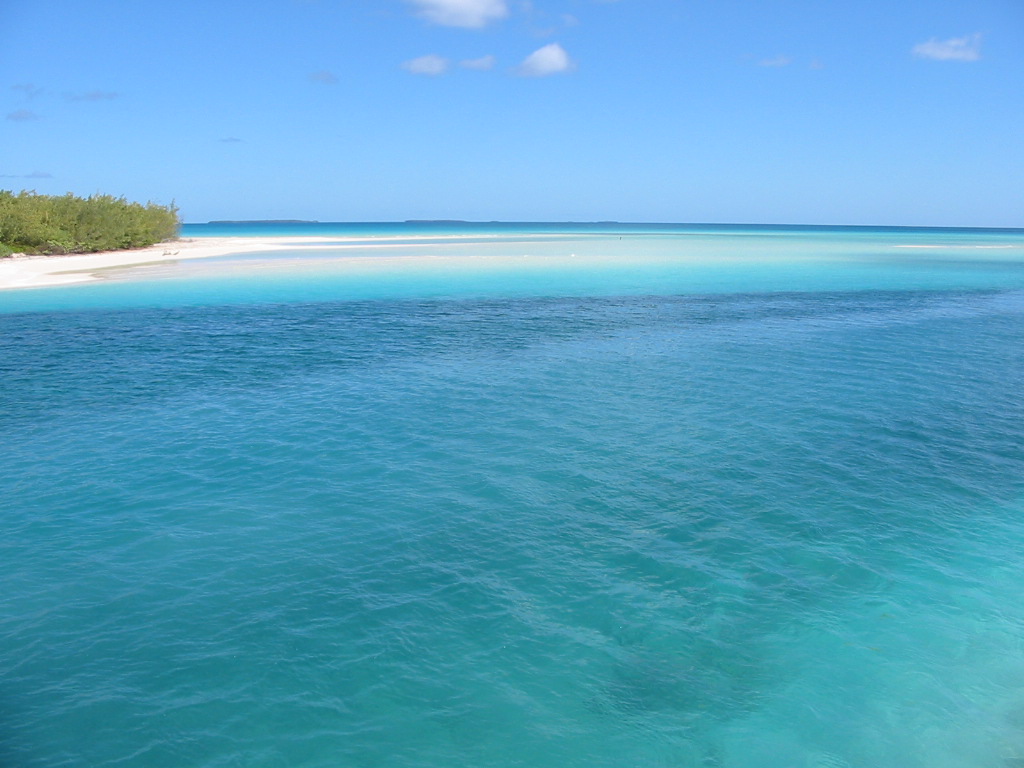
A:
[(729, 499)]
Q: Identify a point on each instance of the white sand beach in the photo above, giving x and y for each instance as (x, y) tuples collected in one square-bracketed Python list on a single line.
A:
[(23, 271), (39, 271)]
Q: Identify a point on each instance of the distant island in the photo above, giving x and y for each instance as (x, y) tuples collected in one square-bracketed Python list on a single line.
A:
[(263, 221), (496, 221), (50, 224)]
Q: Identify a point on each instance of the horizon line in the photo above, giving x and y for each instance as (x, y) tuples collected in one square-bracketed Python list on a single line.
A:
[(578, 222)]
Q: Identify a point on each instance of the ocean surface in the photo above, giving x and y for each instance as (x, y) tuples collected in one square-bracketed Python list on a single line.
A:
[(534, 495)]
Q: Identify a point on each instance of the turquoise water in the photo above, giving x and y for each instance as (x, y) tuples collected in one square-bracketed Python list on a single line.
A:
[(473, 261), (729, 498)]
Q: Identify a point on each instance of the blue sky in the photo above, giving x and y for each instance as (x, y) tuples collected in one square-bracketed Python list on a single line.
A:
[(767, 111)]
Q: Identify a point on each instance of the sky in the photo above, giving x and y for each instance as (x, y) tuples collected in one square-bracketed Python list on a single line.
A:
[(715, 111)]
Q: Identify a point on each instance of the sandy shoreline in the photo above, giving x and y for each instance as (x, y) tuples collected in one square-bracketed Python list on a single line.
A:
[(40, 271), (43, 271)]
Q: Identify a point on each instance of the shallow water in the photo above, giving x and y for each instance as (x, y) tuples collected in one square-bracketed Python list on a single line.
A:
[(740, 512)]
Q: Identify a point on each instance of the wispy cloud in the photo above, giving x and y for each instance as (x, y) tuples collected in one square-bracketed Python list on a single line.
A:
[(776, 61), (91, 96), (33, 175), (552, 59), (230, 140), (22, 116), (484, 62), (323, 77), (30, 90), (431, 65), (461, 13), (966, 48), (545, 24)]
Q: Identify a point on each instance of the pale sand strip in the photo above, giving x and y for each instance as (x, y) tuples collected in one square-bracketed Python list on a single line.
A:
[(42, 271), (38, 271)]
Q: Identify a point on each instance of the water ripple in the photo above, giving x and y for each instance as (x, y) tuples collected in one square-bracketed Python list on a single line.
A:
[(735, 530)]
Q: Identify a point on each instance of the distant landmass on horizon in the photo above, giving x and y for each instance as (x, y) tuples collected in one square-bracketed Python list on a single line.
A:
[(265, 221), (407, 221)]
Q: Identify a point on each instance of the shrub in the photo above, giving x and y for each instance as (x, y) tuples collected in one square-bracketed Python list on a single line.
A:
[(68, 224)]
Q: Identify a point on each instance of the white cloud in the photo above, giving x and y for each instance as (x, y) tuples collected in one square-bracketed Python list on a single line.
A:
[(549, 60), (431, 64), (484, 62), (955, 49), (461, 13), (775, 61)]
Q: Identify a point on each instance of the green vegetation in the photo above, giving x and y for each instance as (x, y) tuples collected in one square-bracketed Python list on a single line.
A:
[(48, 224)]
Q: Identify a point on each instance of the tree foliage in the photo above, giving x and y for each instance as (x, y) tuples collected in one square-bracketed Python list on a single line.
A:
[(50, 224)]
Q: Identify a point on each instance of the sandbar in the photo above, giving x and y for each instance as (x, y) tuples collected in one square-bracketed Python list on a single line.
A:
[(40, 271), (21, 271)]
